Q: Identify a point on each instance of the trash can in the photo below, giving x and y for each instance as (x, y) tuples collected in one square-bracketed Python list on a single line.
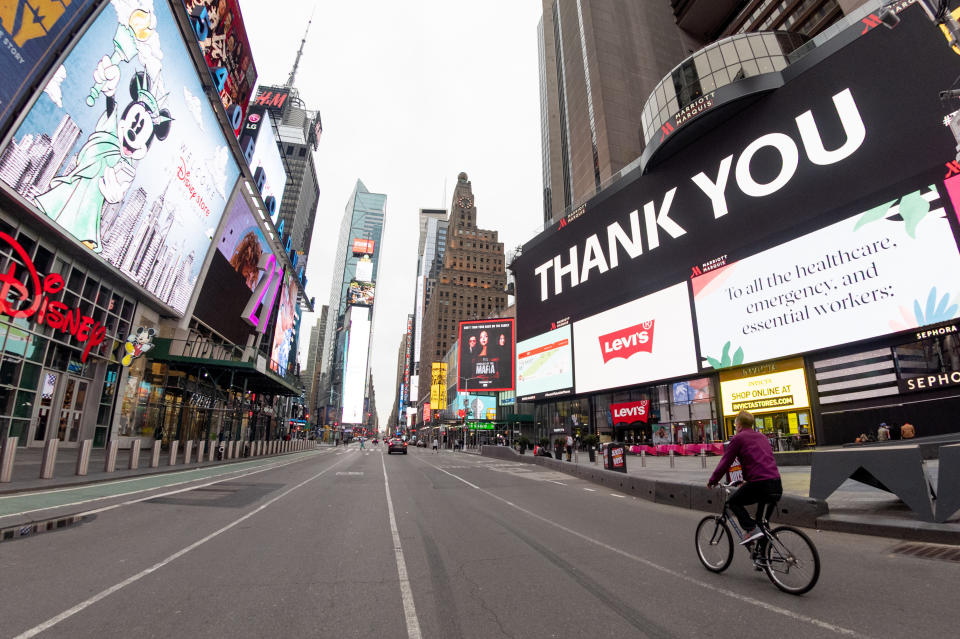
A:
[(614, 457)]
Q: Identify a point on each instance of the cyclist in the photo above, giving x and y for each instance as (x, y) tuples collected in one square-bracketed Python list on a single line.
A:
[(761, 477)]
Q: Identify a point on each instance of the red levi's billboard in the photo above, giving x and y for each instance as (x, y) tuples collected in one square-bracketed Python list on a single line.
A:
[(626, 342), (630, 412)]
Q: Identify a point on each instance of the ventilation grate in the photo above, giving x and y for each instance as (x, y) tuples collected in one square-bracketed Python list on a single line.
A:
[(929, 551)]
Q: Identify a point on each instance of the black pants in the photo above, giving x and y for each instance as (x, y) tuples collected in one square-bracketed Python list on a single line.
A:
[(765, 492)]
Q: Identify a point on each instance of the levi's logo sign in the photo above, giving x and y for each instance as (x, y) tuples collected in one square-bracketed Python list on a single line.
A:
[(627, 341)]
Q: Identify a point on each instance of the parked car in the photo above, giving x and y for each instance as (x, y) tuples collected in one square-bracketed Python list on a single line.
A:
[(397, 445)]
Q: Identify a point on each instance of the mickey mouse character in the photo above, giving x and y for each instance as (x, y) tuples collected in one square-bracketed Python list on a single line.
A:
[(107, 162), (137, 344)]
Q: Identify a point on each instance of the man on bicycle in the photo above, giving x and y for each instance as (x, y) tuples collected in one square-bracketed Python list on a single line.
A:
[(761, 478)]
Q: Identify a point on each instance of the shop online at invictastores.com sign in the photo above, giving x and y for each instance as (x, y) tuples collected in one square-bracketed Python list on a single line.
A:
[(765, 388)]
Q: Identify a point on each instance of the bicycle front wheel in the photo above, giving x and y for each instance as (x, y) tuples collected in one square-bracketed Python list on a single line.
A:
[(791, 560), (714, 543)]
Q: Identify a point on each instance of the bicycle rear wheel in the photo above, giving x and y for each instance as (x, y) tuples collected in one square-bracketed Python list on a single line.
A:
[(714, 543), (791, 560)]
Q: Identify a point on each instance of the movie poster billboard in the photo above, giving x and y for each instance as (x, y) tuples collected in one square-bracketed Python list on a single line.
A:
[(134, 162), (285, 332), (361, 293), (226, 47), (485, 356), (32, 38)]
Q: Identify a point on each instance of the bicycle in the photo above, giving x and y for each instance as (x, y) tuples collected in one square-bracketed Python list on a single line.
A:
[(786, 554)]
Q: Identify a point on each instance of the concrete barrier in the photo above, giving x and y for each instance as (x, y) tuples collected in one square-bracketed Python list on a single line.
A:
[(201, 449), (173, 452), (83, 457), (134, 454), (8, 451), (155, 457), (110, 460), (49, 458)]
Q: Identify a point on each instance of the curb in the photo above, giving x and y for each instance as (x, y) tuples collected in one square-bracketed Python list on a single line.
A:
[(794, 510)]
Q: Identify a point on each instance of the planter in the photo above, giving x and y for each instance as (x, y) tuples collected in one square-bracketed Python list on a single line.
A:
[(592, 453)]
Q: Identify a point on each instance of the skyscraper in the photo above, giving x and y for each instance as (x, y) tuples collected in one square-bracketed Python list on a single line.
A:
[(357, 259), (311, 374), (470, 280)]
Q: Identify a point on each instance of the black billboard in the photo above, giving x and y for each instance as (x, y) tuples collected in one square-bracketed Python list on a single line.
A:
[(485, 358), (843, 130)]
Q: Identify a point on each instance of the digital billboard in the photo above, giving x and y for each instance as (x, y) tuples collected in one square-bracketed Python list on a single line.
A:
[(471, 406), (363, 247), (285, 332), (226, 47), (272, 98), (361, 293), (889, 267), (364, 269), (781, 388), (794, 161), (135, 164), (32, 39), (266, 163), (242, 242), (485, 355), (355, 369), (647, 339), (545, 365)]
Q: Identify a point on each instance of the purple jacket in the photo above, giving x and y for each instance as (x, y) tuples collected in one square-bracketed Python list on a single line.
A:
[(753, 450)]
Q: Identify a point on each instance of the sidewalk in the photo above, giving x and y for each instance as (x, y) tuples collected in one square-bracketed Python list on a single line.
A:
[(854, 507)]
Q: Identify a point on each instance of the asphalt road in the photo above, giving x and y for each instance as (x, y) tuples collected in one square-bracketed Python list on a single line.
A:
[(350, 543)]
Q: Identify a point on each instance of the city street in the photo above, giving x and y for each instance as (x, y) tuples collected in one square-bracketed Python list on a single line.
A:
[(343, 542)]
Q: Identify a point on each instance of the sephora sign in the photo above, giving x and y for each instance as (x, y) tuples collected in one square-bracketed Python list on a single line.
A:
[(773, 171)]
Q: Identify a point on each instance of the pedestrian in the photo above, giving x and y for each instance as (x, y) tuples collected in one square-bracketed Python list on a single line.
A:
[(558, 448), (436, 449), (883, 432), (569, 447), (907, 431)]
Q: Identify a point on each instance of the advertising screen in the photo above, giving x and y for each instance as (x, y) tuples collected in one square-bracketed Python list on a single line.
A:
[(630, 412), (355, 370), (226, 47), (361, 293), (692, 391), (266, 158), (438, 385), (363, 247), (135, 167), (242, 243), (782, 388), (31, 42), (545, 365), (272, 98), (485, 357), (784, 166), (475, 406), (647, 339), (888, 267), (364, 270), (285, 332)]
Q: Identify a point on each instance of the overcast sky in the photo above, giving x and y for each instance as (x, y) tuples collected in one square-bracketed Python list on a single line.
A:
[(411, 94)]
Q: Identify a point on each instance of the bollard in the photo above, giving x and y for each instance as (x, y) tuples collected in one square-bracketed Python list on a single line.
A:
[(671, 459), (643, 458), (212, 449), (188, 452), (83, 456), (703, 458), (201, 448), (174, 445), (8, 450), (134, 454), (155, 457), (110, 461), (49, 458), (230, 450)]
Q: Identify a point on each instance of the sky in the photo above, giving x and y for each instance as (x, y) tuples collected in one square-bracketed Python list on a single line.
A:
[(410, 94)]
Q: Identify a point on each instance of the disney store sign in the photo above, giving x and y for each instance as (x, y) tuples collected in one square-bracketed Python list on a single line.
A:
[(33, 300)]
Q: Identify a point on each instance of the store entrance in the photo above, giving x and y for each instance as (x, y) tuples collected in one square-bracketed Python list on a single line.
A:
[(68, 419), (788, 430)]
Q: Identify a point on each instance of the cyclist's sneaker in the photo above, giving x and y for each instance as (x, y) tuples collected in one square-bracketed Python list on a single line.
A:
[(751, 535)]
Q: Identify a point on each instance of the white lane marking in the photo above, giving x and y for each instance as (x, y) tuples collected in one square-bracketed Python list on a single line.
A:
[(103, 594), (228, 476), (555, 482), (406, 592), (673, 573), (616, 495), (590, 490)]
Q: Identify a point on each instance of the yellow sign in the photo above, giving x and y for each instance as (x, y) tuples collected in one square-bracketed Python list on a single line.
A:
[(491, 413), (781, 386), (955, 14), (438, 385)]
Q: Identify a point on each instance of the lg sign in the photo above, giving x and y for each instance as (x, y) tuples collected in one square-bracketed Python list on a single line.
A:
[(627, 342)]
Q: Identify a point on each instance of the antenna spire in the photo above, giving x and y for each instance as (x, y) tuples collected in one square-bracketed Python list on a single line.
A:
[(296, 63)]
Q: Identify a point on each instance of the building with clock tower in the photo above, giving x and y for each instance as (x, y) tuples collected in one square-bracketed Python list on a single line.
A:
[(470, 282)]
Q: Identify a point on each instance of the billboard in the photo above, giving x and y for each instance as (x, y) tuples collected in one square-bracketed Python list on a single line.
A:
[(476, 406), (32, 39), (361, 293), (485, 355), (242, 242), (648, 339), (781, 387), (363, 247), (134, 163), (226, 51), (266, 163), (630, 412), (794, 161), (285, 331), (273, 99), (355, 369), (545, 365), (438, 385), (364, 269), (888, 267)]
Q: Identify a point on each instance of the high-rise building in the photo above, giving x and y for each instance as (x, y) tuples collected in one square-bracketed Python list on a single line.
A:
[(345, 346), (432, 243), (600, 61), (311, 374), (393, 420), (469, 281)]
